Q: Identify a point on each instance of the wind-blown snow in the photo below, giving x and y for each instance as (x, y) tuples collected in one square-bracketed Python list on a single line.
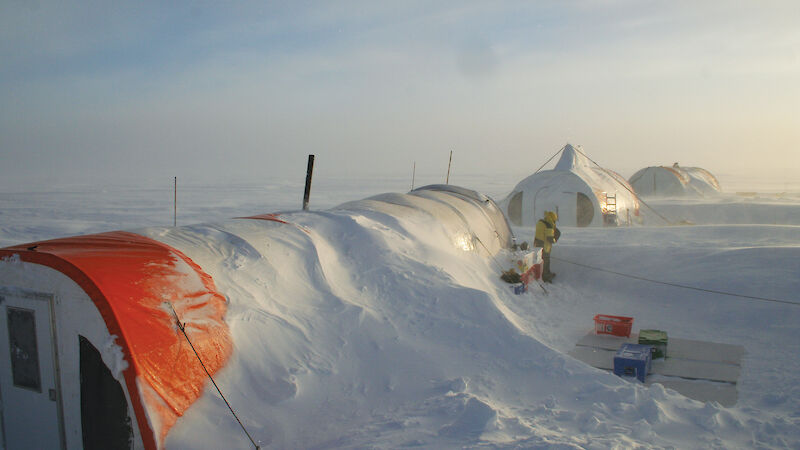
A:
[(357, 329), (114, 358)]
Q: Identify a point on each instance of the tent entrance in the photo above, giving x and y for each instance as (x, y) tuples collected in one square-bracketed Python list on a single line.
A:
[(585, 210), (29, 381), (104, 410)]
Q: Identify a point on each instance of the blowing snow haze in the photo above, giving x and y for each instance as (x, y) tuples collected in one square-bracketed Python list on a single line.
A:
[(148, 90), (378, 317)]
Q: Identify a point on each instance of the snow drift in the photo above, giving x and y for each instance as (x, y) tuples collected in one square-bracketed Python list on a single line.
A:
[(364, 327), (141, 287)]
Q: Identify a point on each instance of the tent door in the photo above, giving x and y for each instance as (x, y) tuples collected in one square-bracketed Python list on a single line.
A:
[(584, 210), (105, 422), (29, 381)]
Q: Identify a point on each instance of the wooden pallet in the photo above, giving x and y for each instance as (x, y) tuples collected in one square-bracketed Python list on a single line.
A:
[(705, 371)]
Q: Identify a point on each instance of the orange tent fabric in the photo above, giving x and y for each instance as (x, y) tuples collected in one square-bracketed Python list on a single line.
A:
[(273, 217), (131, 279)]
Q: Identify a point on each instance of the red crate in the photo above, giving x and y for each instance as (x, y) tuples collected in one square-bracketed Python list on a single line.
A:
[(614, 325), (534, 273)]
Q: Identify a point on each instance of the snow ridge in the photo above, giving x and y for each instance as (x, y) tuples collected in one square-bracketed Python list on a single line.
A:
[(372, 330)]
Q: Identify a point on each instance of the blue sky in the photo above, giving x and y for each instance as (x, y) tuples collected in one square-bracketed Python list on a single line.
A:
[(246, 89)]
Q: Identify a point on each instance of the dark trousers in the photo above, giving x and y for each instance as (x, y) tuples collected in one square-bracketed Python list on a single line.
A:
[(546, 274)]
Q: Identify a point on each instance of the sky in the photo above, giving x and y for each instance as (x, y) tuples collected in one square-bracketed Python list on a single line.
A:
[(245, 90)]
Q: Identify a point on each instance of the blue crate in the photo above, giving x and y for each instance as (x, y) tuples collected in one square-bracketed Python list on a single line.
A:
[(633, 360)]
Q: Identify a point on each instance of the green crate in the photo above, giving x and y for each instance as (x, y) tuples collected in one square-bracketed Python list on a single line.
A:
[(656, 339)]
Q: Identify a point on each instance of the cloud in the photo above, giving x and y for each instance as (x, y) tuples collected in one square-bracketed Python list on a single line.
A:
[(378, 85), (477, 59)]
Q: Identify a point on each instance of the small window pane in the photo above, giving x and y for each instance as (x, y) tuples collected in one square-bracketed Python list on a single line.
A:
[(24, 352)]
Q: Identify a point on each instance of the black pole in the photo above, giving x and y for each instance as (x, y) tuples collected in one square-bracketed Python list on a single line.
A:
[(413, 174), (175, 205), (309, 172), (447, 180)]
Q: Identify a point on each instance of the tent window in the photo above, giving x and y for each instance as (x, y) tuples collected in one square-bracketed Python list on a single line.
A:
[(585, 211), (515, 209), (24, 351), (104, 409)]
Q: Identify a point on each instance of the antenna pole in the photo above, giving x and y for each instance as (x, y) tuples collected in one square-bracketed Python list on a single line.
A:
[(447, 180)]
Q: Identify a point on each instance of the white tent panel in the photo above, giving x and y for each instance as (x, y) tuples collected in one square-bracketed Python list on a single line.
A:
[(553, 191), (702, 180), (63, 313), (659, 181)]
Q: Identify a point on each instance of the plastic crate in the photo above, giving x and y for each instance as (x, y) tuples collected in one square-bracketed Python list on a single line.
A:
[(519, 288), (633, 360), (657, 339), (613, 325), (532, 274)]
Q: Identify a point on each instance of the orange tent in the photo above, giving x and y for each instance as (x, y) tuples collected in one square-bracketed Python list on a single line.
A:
[(134, 283)]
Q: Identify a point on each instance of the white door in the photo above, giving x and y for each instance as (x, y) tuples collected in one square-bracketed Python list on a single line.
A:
[(28, 372)]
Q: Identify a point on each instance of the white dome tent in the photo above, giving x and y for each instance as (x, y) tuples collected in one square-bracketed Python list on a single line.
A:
[(702, 180), (581, 192), (674, 181)]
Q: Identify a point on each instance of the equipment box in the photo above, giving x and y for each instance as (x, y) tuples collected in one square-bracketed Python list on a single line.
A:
[(614, 325), (633, 360), (656, 339)]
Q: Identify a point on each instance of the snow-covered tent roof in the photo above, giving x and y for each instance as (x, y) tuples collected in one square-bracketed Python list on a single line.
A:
[(114, 294), (674, 181), (582, 193), (455, 207)]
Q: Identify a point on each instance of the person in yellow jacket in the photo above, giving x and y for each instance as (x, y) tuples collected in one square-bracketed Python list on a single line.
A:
[(546, 235)]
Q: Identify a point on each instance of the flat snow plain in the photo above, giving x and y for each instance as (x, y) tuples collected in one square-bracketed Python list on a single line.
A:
[(371, 333)]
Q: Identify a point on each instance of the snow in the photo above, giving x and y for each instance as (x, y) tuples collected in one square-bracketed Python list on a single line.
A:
[(357, 329), (114, 358)]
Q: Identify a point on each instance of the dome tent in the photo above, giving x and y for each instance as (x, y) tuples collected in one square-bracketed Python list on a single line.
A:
[(702, 180), (582, 193), (674, 181)]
